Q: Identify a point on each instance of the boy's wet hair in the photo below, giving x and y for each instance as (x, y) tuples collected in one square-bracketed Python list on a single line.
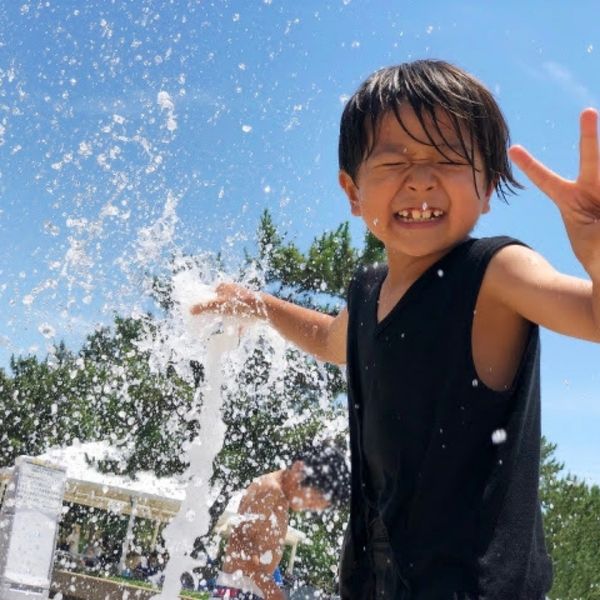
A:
[(428, 86), (326, 470)]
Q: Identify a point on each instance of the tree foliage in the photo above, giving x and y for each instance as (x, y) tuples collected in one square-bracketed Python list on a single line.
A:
[(572, 524), (320, 276)]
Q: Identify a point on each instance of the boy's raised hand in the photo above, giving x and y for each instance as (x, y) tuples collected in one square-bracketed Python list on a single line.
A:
[(232, 299), (579, 200)]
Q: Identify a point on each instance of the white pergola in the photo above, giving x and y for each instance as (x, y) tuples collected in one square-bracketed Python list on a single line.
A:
[(157, 499)]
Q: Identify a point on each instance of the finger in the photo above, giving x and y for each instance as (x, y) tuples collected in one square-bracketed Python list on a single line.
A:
[(197, 309), (211, 306), (589, 167), (544, 178)]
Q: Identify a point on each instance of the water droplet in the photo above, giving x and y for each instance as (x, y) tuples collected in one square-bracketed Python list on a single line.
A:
[(47, 330), (499, 436)]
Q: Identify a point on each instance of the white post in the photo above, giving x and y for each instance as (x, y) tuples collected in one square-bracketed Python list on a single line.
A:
[(290, 568), (129, 535), (3, 485), (155, 533), (29, 516)]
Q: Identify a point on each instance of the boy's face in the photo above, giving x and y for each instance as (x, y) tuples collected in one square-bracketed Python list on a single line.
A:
[(411, 196), (309, 498), (305, 497)]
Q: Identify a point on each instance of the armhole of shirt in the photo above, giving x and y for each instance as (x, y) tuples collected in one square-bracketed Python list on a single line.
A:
[(480, 255)]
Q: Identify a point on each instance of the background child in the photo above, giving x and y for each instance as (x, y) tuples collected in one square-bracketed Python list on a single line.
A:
[(442, 342), (316, 479)]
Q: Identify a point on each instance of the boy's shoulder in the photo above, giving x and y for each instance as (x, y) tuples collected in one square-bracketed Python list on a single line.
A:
[(486, 252), (521, 281), (368, 271), (503, 262), (515, 263), (367, 276)]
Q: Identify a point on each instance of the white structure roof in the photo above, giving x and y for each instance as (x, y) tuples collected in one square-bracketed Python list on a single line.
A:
[(156, 498)]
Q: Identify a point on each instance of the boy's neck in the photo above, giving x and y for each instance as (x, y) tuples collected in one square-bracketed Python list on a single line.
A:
[(404, 270)]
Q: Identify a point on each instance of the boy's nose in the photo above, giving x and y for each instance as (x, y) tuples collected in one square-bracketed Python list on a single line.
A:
[(421, 178)]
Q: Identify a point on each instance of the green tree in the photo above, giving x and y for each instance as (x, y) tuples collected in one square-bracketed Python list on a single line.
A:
[(320, 276), (572, 524)]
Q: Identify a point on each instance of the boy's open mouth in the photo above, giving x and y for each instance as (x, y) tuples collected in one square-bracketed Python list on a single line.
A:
[(411, 215)]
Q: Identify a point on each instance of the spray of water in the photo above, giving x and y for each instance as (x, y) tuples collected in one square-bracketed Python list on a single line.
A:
[(193, 519)]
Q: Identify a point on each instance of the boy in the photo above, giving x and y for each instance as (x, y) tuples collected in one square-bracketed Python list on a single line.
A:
[(316, 478), (442, 343)]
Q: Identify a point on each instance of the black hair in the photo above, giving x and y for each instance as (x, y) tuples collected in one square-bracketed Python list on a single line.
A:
[(428, 86), (326, 470)]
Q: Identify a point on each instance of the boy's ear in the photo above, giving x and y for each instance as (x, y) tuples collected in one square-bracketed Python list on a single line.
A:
[(298, 469), (487, 197), (486, 204), (351, 190)]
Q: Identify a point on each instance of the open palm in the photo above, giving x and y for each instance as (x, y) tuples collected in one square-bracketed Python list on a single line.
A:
[(579, 200)]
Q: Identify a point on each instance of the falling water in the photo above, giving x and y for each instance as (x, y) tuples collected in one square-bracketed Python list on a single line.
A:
[(193, 519)]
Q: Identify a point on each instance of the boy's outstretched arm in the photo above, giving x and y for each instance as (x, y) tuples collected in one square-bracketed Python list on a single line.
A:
[(535, 290), (321, 335)]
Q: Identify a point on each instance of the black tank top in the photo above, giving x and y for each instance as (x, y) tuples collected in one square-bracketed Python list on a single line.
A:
[(451, 466)]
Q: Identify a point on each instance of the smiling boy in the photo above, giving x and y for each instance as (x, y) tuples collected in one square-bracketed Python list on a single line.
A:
[(442, 342)]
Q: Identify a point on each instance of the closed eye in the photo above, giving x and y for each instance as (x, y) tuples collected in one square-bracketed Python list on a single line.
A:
[(453, 163)]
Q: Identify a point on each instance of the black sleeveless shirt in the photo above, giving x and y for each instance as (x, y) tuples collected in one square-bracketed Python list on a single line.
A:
[(450, 466)]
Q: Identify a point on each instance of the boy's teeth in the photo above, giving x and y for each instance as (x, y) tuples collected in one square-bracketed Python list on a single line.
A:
[(414, 214)]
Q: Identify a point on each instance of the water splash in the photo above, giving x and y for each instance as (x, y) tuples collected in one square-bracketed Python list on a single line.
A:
[(193, 519)]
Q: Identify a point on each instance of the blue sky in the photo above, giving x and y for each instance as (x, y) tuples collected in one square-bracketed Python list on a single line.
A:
[(123, 122)]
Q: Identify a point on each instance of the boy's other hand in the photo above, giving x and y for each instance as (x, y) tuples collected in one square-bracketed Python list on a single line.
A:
[(232, 299), (579, 200)]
